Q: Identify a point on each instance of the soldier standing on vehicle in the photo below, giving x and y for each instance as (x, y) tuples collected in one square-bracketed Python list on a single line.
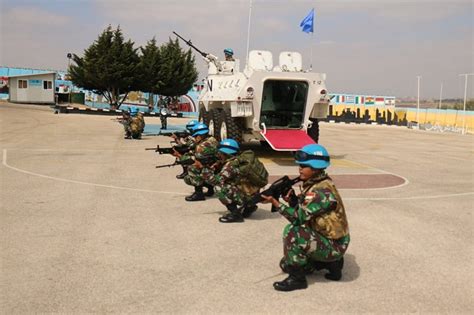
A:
[(229, 54), (238, 180), (318, 234), (205, 157)]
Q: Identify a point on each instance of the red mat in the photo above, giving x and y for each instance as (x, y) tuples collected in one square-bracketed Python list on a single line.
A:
[(287, 140)]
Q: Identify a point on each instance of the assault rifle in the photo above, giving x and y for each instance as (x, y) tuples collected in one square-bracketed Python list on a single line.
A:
[(177, 162), (179, 134), (205, 161), (181, 149), (278, 189), (208, 160)]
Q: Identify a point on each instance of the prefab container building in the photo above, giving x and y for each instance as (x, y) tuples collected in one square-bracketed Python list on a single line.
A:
[(32, 88)]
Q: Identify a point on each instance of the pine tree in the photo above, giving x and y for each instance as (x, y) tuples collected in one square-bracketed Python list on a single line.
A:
[(177, 71), (110, 67), (150, 68)]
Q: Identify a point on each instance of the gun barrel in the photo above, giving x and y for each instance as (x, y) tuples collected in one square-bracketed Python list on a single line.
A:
[(166, 165), (188, 42), (154, 149)]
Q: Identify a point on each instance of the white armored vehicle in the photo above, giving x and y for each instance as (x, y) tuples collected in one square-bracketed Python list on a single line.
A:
[(277, 103)]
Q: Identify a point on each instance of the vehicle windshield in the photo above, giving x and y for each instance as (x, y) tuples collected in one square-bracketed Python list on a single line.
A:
[(283, 103)]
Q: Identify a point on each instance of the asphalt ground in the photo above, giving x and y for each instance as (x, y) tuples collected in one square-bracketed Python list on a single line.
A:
[(88, 225)]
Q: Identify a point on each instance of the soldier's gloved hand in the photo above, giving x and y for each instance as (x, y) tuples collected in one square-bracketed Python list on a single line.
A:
[(198, 164), (270, 199), (176, 153), (291, 198)]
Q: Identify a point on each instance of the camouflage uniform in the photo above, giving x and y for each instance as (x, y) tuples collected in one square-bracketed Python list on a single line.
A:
[(190, 142), (206, 148), (136, 127), (318, 230), (229, 184), (141, 121), (126, 121)]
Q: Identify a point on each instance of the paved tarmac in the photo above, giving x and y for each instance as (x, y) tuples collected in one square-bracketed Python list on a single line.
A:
[(88, 225)]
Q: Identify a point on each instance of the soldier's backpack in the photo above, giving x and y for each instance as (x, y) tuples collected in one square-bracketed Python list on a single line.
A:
[(252, 169)]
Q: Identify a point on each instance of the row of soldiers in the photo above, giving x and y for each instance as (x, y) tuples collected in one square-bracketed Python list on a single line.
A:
[(317, 235), (221, 169)]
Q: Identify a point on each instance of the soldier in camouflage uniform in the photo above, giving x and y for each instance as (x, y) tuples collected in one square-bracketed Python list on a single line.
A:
[(141, 121), (136, 124), (126, 121), (189, 142), (205, 156), (232, 189), (318, 234)]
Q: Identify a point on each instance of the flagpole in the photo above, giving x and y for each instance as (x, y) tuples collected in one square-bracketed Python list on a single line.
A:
[(312, 43), (311, 56), (248, 34)]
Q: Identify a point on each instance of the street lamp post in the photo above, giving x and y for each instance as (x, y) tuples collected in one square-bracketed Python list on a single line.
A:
[(69, 56), (465, 96), (439, 106), (418, 103)]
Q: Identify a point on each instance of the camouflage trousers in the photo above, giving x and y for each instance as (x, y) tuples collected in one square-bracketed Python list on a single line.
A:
[(302, 245), (195, 176), (127, 129), (229, 193)]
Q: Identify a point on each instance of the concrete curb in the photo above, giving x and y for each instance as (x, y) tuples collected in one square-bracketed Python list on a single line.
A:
[(99, 111)]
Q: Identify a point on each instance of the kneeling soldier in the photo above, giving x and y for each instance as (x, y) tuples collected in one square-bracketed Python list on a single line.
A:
[(318, 234), (238, 180), (205, 156), (187, 141)]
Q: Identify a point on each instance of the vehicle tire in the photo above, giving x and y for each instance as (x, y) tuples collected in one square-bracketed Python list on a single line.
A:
[(214, 122), (203, 116), (313, 132), (229, 127)]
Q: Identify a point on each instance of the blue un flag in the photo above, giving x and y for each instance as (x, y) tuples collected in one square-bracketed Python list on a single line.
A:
[(307, 23)]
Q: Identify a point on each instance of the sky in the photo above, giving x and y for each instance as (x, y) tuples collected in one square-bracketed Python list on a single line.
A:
[(371, 47)]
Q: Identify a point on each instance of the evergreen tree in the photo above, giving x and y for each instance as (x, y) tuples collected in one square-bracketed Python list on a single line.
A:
[(110, 67), (177, 71), (150, 68)]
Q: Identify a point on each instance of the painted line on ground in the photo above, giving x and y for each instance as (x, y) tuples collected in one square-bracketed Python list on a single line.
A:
[(414, 197), (4, 162)]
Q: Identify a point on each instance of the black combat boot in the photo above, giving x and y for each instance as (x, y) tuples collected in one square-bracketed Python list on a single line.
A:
[(210, 190), (308, 269), (283, 265), (198, 195), (296, 280), (334, 268), (249, 210), (183, 174), (233, 216)]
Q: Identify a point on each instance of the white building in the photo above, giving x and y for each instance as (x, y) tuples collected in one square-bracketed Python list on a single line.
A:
[(32, 88)]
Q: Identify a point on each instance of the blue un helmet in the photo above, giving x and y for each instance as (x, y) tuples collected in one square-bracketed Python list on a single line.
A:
[(190, 125), (133, 111), (313, 155), (229, 51), (200, 129), (229, 146)]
